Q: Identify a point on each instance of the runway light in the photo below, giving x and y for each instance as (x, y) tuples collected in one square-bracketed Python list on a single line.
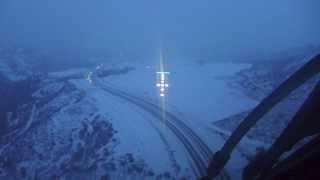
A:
[(89, 77), (162, 82)]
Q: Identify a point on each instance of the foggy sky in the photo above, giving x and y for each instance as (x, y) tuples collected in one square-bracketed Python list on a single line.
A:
[(183, 27)]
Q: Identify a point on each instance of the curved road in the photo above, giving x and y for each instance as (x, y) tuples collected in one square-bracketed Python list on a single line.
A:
[(198, 151)]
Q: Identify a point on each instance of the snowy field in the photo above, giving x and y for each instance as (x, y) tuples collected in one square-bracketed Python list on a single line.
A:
[(88, 106), (198, 94), (138, 132)]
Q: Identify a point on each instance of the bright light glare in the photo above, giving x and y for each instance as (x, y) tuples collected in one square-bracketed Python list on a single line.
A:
[(162, 84)]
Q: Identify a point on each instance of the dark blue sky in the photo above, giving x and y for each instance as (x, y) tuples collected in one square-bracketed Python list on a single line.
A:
[(203, 27)]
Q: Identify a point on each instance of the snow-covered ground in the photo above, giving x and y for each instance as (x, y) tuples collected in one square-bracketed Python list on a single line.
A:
[(92, 131), (198, 94), (259, 81), (66, 124), (139, 133)]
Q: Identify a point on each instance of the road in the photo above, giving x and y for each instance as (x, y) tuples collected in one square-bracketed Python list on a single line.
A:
[(198, 151)]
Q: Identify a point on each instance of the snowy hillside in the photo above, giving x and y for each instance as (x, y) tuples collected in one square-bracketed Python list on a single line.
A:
[(55, 127), (109, 122), (258, 81)]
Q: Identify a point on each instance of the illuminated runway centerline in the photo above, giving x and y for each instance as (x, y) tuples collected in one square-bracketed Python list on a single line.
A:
[(162, 82)]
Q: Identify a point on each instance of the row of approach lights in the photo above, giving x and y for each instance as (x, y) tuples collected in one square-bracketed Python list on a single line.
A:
[(162, 83)]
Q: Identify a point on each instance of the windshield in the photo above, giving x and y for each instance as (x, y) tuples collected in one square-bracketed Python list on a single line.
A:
[(120, 89)]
